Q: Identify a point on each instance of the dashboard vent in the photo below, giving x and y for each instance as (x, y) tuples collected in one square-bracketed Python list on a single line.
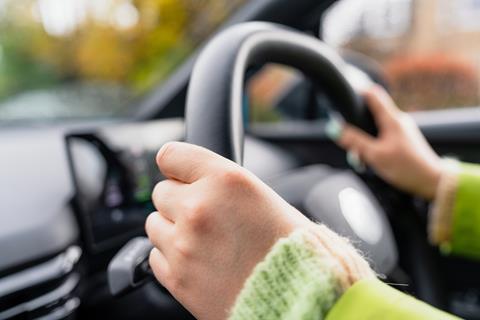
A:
[(46, 291)]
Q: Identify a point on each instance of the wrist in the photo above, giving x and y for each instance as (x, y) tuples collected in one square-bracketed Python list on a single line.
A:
[(350, 264), (432, 180), (440, 216)]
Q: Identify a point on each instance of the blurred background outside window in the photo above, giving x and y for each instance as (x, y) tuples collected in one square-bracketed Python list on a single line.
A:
[(428, 51), (83, 58)]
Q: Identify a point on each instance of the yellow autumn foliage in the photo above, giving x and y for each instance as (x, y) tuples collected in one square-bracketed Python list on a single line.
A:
[(135, 43)]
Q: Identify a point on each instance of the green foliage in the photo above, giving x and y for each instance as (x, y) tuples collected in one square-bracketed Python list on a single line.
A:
[(137, 51), (261, 114)]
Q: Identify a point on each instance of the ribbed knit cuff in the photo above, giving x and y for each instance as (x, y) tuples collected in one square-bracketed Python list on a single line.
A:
[(441, 213), (350, 265), (300, 278)]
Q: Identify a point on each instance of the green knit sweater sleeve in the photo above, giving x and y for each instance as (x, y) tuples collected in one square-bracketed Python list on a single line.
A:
[(296, 282), (292, 282)]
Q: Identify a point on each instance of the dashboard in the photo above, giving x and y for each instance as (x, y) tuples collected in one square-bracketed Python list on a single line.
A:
[(89, 183), (114, 172), (73, 195)]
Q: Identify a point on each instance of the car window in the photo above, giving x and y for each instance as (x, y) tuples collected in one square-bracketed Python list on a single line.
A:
[(83, 58), (428, 49), (274, 95), (278, 93)]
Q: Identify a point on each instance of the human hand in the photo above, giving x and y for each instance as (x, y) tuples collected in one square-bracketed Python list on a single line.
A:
[(214, 222), (400, 154)]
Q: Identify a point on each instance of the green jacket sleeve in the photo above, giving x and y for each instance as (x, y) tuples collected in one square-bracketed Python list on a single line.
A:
[(455, 217), (465, 237), (294, 282), (372, 299)]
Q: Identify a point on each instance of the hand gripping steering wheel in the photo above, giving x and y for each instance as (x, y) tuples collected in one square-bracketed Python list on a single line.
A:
[(214, 110)]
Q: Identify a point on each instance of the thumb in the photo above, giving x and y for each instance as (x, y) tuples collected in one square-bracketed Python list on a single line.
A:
[(188, 163)]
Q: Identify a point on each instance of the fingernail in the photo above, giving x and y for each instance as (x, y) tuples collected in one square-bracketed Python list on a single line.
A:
[(333, 129), (355, 162)]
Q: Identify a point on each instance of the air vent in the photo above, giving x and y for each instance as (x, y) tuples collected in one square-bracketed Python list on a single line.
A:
[(45, 291)]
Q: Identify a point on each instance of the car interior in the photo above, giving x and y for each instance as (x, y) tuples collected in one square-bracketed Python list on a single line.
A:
[(74, 192)]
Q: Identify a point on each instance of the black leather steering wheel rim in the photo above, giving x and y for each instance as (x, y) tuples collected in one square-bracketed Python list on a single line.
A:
[(214, 116)]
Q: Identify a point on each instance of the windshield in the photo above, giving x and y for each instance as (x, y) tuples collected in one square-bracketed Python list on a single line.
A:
[(63, 59), (428, 51)]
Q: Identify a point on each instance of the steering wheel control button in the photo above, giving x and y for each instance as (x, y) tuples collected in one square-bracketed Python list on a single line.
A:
[(129, 268)]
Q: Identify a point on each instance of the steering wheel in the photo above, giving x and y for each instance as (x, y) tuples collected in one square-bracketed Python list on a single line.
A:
[(215, 120), (214, 110)]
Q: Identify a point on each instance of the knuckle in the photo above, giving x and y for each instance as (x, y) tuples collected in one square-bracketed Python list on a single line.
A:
[(163, 190), (176, 282), (158, 189), (183, 249), (386, 154), (197, 215), (151, 258), (160, 273), (149, 224), (235, 177), (157, 192)]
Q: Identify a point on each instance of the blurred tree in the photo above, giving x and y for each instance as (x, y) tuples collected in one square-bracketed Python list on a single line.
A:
[(132, 43), (18, 68), (433, 81)]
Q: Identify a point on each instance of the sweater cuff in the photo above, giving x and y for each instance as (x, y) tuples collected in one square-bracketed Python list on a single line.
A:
[(299, 278), (441, 213)]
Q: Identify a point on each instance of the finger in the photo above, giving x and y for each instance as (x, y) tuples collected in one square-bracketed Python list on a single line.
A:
[(159, 265), (355, 139), (166, 196), (187, 162), (355, 161), (159, 231), (383, 108)]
